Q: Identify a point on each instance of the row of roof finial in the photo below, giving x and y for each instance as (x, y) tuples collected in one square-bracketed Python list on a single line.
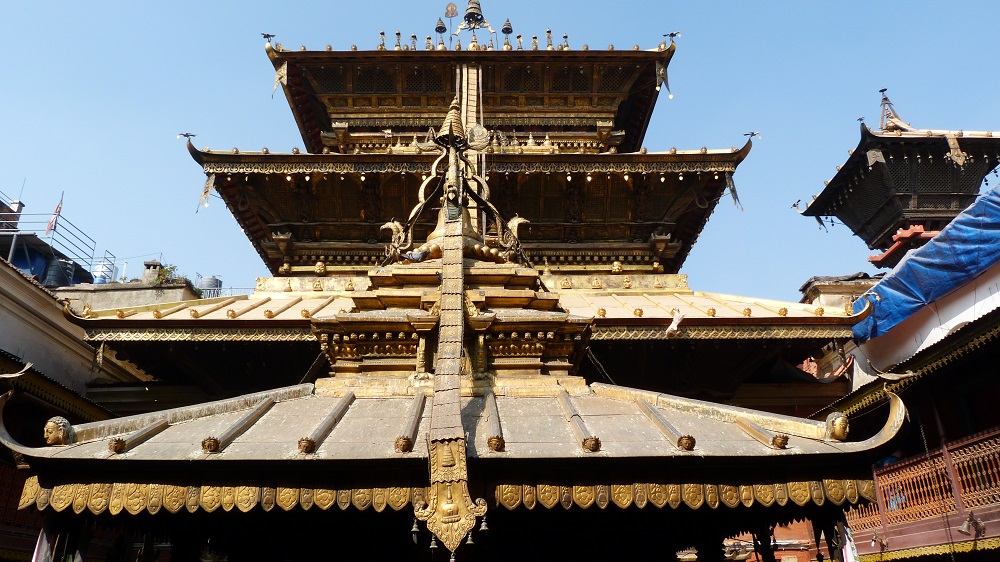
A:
[(475, 46)]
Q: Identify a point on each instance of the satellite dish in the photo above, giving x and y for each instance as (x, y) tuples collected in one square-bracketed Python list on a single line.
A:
[(451, 10)]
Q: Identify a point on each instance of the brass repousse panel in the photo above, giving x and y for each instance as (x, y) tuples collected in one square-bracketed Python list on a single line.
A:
[(799, 492), (548, 495), (155, 498), (851, 490), (729, 494), (62, 497), (658, 494), (398, 498), (694, 495), (267, 498), (835, 490), (228, 498), (641, 495), (247, 497), (29, 492), (100, 497), (622, 495), (191, 498), (781, 493), (583, 496), (509, 495), (211, 498), (306, 498), (712, 495), (286, 498), (378, 499), (528, 496), (602, 494), (324, 498), (117, 498), (81, 495)]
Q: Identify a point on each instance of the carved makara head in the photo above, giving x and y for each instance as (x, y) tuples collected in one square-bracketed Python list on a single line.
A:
[(57, 431)]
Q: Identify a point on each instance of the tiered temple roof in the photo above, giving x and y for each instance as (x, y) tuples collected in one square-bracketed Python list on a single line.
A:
[(901, 184), (525, 229)]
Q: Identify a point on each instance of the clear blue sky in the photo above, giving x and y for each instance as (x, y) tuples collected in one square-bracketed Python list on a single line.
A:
[(97, 91)]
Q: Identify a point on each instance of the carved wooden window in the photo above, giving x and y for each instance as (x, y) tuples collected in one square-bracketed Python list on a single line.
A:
[(571, 79), (595, 199), (424, 80), (522, 79), (374, 80), (529, 202), (614, 78), (619, 197), (330, 80), (349, 192), (398, 195)]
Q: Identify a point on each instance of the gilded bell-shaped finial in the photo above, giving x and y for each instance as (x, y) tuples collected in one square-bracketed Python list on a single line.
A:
[(474, 14), (452, 131)]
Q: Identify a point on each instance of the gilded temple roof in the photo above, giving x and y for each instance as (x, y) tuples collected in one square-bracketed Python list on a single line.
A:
[(649, 303), (547, 421), (407, 88)]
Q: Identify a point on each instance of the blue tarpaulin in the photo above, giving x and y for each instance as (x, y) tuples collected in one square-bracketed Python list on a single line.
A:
[(964, 249)]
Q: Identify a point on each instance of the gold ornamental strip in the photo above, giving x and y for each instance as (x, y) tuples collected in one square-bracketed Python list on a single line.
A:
[(202, 334), (135, 498), (992, 543), (721, 332), (693, 496)]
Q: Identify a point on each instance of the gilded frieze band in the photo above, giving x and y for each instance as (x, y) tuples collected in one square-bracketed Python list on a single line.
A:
[(202, 334), (135, 498), (720, 332)]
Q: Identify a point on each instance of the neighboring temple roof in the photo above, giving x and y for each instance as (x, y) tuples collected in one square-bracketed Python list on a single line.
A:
[(901, 177), (23, 377), (619, 87)]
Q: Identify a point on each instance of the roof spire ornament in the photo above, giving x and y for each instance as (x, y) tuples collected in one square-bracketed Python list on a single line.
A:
[(473, 18), (507, 30), (890, 121)]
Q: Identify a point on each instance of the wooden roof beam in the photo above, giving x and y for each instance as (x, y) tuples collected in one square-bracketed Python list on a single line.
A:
[(404, 443), (217, 444), (322, 431), (590, 442)]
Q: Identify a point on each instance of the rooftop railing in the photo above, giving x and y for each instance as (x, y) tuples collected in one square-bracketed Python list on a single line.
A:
[(65, 237)]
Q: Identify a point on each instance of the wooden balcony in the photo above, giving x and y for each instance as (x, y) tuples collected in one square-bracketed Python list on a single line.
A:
[(924, 500)]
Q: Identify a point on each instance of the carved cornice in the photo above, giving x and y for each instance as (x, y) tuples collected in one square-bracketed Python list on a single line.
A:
[(727, 332), (202, 334), (270, 166)]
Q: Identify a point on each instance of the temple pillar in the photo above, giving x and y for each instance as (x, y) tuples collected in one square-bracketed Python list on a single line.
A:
[(762, 543)]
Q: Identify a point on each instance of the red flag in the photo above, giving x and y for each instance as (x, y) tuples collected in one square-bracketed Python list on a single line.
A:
[(55, 216)]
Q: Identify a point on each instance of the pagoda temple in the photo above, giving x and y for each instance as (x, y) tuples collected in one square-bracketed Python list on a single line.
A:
[(902, 185), (476, 342)]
